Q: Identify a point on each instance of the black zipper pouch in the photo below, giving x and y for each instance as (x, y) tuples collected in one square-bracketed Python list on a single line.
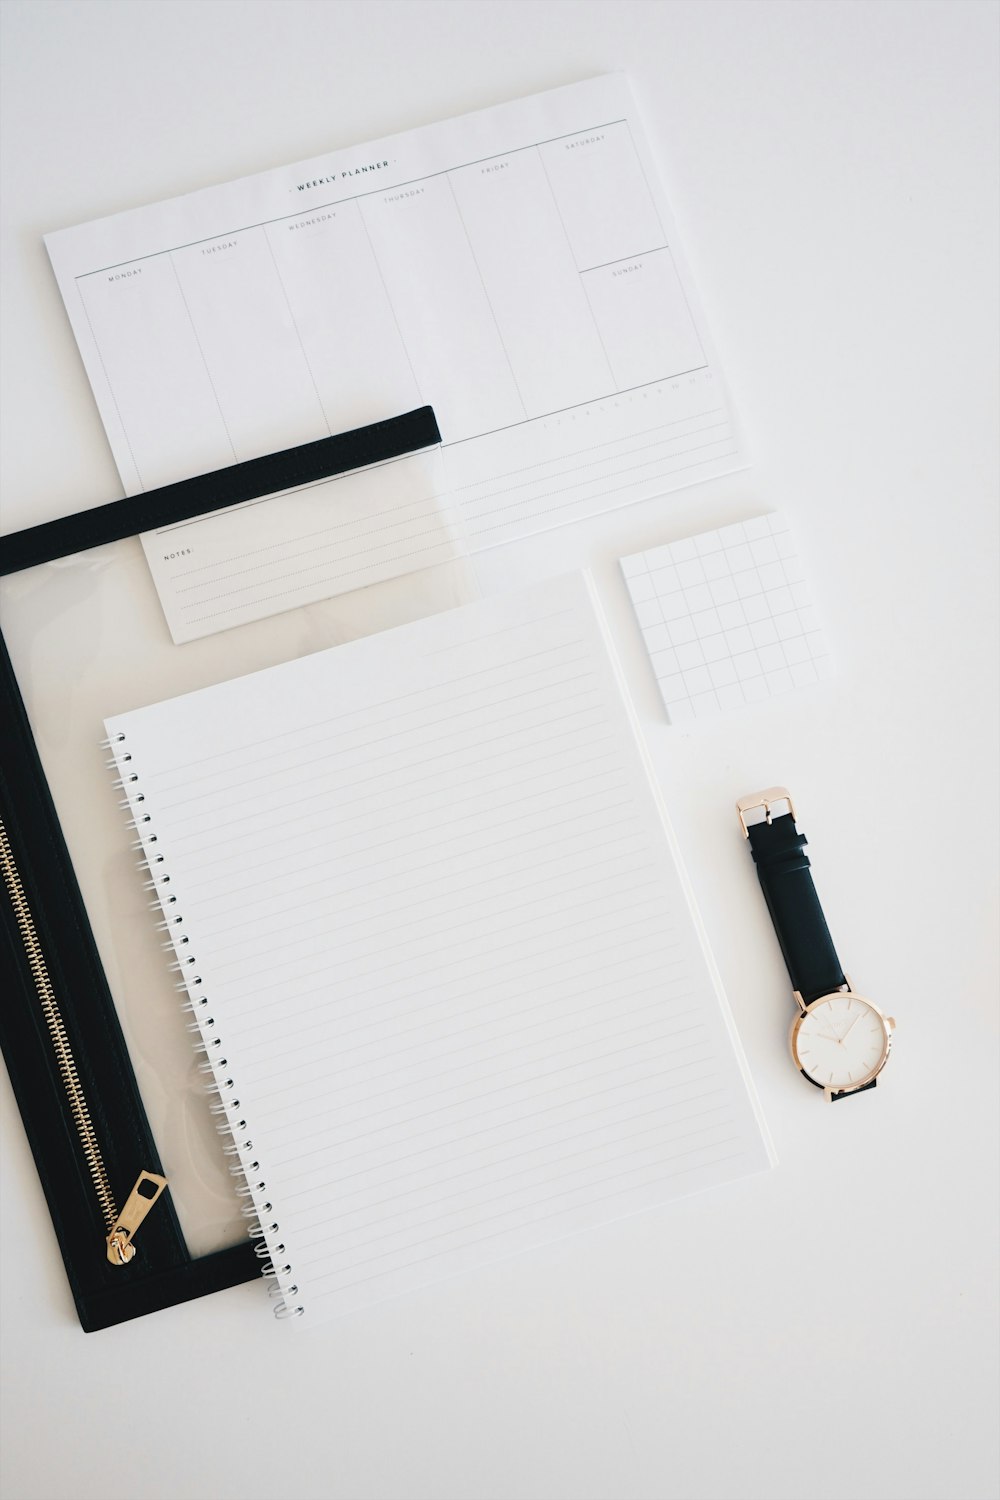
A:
[(103, 1067)]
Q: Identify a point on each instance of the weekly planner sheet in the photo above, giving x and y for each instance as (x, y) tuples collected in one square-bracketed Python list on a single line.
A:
[(517, 269)]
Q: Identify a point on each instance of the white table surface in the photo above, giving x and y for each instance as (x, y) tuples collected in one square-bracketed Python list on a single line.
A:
[(827, 1331)]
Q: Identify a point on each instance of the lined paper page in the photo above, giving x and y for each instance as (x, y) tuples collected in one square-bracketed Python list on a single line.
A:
[(321, 539), (429, 898)]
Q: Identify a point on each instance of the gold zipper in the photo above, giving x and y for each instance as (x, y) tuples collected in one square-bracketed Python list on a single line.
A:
[(122, 1226)]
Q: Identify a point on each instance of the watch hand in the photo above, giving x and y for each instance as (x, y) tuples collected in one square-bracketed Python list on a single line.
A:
[(850, 1028)]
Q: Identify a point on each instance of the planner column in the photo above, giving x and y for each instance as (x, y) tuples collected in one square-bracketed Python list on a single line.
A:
[(625, 264), (449, 328), (530, 276), (344, 316), (235, 302), (155, 371)]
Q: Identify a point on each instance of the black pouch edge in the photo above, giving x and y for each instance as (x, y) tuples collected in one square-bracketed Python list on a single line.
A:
[(163, 1272)]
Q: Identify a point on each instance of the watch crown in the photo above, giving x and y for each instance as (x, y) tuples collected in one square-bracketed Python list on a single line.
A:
[(890, 1021)]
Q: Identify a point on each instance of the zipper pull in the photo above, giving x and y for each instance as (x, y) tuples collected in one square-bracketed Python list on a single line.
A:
[(148, 1187)]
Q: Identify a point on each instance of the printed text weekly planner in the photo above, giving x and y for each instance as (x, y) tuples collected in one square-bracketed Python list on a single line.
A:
[(517, 269)]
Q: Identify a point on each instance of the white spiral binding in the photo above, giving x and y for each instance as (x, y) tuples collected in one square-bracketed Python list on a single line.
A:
[(244, 1169)]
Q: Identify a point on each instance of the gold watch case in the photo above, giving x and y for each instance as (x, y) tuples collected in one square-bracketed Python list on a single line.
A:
[(888, 1027)]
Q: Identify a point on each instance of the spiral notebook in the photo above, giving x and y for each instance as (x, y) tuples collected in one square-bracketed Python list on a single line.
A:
[(443, 961)]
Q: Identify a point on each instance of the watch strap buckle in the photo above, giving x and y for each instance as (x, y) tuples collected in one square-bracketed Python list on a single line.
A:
[(769, 804)]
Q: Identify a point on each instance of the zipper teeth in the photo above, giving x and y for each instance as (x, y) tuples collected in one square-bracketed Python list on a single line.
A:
[(57, 1033)]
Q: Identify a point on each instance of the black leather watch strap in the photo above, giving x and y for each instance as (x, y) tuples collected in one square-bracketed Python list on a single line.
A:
[(783, 868)]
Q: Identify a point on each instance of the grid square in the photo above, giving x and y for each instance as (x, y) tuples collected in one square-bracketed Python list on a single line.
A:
[(740, 557), (715, 647), (665, 580), (780, 601), (682, 630), (755, 608), (697, 680), (797, 649), (690, 655), (698, 597), (747, 582), (706, 622), (673, 606), (722, 672), (716, 565), (788, 625), (690, 572), (723, 590), (731, 615), (771, 657), (763, 633), (747, 664), (764, 552), (727, 617)]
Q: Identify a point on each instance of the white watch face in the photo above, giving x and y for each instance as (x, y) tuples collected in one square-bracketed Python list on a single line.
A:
[(841, 1041)]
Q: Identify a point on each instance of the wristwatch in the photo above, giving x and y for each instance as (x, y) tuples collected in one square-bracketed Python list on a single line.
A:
[(839, 1040)]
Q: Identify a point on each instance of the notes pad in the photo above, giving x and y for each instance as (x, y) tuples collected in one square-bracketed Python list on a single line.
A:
[(435, 934), (727, 617)]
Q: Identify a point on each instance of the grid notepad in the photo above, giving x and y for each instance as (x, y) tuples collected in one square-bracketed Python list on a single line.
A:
[(727, 617)]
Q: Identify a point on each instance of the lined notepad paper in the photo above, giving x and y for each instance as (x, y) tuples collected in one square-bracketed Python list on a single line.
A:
[(446, 966)]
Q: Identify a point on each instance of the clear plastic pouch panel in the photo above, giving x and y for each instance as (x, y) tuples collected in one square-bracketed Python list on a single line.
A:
[(88, 638)]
